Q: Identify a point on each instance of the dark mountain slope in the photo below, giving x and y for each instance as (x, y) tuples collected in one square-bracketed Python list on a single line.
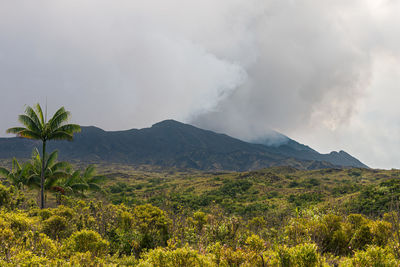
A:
[(291, 148), (168, 143)]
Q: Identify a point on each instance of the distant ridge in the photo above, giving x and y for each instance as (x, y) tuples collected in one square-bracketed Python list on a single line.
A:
[(174, 144)]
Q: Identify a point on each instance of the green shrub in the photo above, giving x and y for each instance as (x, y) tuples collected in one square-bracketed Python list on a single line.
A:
[(19, 222), (83, 259), (374, 256), (181, 257), (7, 241), (382, 232), (40, 244), (28, 258), (152, 223), (5, 196), (56, 227), (65, 212), (361, 238), (303, 255), (44, 214), (88, 240), (10, 198)]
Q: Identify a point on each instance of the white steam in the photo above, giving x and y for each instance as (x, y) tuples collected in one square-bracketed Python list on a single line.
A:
[(307, 68)]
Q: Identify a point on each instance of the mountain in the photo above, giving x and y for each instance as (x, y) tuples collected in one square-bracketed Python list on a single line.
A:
[(174, 144), (290, 148)]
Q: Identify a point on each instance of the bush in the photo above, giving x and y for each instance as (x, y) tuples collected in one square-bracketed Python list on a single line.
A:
[(65, 212), (7, 240), (56, 227), (44, 214), (181, 257), (19, 222), (152, 223), (5, 196), (10, 198), (374, 256), (382, 231), (41, 245), (361, 238), (88, 240), (303, 255)]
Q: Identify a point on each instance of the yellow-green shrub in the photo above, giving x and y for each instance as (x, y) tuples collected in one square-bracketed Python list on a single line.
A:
[(303, 255), (65, 212), (44, 214), (87, 240), (373, 256), (40, 244), (382, 232), (152, 223), (56, 227), (180, 257), (19, 222)]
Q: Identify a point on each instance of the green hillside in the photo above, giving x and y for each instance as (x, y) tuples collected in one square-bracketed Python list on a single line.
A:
[(174, 144), (153, 216)]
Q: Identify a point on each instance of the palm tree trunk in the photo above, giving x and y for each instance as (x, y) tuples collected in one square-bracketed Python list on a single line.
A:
[(42, 177)]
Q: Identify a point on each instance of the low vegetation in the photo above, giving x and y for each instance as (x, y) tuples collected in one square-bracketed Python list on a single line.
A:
[(145, 216)]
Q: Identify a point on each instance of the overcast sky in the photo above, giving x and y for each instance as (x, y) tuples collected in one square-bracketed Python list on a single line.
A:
[(325, 73)]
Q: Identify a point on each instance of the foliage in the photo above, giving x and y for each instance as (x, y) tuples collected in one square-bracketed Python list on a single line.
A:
[(180, 257), (37, 127), (87, 241), (93, 232)]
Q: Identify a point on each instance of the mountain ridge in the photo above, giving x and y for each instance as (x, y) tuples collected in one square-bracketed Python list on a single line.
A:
[(174, 144)]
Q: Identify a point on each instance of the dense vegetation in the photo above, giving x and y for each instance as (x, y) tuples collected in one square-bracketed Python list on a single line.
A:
[(155, 217)]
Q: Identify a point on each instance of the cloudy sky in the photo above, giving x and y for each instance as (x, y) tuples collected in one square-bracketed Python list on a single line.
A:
[(325, 73)]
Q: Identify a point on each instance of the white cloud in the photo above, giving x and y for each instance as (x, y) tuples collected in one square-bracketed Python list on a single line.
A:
[(323, 72)]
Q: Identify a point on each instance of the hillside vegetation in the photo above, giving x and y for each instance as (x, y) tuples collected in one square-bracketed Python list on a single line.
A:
[(151, 216), (173, 144)]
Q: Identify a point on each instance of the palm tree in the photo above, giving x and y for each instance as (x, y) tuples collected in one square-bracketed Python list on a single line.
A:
[(54, 170), (18, 175), (71, 185), (37, 127), (77, 183), (92, 180)]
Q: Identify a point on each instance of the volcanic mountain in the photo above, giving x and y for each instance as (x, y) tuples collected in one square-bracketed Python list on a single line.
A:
[(173, 144)]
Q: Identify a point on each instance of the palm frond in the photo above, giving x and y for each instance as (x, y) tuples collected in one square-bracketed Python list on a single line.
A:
[(37, 163), (40, 113), (26, 168), (15, 130), (60, 135), (52, 158), (76, 174), (32, 114), (29, 123), (60, 117), (70, 128), (29, 134), (95, 187), (61, 165), (15, 165), (89, 171), (97, 179), (33, 180), (59, 175)]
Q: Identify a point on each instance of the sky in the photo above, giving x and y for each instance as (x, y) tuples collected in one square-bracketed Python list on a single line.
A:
[(325, 73)]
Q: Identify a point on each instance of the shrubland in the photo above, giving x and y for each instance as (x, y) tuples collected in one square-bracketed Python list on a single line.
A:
[(146, 216)]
